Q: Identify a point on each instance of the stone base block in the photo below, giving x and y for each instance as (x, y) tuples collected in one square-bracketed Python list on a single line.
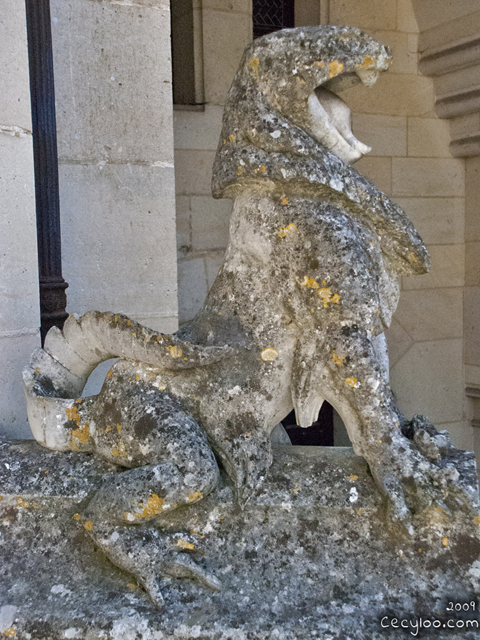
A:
[(312, 556)]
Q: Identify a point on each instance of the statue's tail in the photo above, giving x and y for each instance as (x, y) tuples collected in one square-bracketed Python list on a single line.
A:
[(58, 373)]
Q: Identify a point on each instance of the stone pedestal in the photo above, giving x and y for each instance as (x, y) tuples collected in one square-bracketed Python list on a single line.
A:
[(310, 557)]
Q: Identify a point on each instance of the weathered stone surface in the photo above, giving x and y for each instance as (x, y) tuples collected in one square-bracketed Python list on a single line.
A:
[(311, 556), (295, 317)]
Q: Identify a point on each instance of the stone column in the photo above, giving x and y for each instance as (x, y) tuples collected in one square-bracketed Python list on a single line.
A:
[(112, 66), (19, 303)]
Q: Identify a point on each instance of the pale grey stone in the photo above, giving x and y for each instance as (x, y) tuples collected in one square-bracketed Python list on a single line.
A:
[(296, 316)]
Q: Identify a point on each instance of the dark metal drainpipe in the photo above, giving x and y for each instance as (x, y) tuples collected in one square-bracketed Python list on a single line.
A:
[(53, 298)]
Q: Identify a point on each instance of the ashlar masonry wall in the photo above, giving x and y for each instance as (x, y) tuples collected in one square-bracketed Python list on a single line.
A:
[(112, 66), (19, 289)]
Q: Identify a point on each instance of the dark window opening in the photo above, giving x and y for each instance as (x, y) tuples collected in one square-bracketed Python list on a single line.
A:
[(320, 433), (272, 15), (183, 51)]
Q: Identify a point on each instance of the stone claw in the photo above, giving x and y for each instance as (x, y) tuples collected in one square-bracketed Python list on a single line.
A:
[(184, 567)]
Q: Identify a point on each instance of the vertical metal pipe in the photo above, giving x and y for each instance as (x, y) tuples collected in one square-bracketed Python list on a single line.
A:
[(53, 298)]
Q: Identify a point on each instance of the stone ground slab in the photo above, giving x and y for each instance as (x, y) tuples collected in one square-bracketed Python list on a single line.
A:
[(310, 557)]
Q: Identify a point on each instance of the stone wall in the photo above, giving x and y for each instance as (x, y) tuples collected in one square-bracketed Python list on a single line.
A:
[(19, 303), (410, 161), (115, 145)]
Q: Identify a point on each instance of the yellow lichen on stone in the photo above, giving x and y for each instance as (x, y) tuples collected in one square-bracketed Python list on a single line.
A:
[(310, 283), (445, 542), (337, 359), (263, 168), (72, 414), (254, 64), (269, 354), (284, 200), (476, 520), (183, 544), (81, 434), (174, 351), (351, 382), (328, 297), (335, 67), (131, 586), (110, 373), (318, 64), (137, 377), (413, 257), (119, 450), (9, 633), (239, 170), (162, 387), (76, 516), (353, 478), (284, 231), (367, 62), (119, 427), (195, 496), (153, 507), (22, 503), (88, 525)]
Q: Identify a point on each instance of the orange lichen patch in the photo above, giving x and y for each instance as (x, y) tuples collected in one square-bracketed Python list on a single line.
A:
[(353, 478), (10, 632), (231, 137), (110, 373), (22, 503), (284, 231), (119, 450), (413, 257), (367, 63), (239, 170), (351, 382), (284, 200), (419, 551), (195, 533), (72, 414), (81, 434), (263, 168), (131, 586), (174, 351), (153, 507), (328, 297), (76, 516), (195, 496), (476, 520), (88, 525), (137, 377), (318, 64), (162, 387), (310, 283), (183, 544), (337, 359), (128, 323), (119, 427), (115, 319), (359, 511), (445, 542), (335, 67), (269, 354)]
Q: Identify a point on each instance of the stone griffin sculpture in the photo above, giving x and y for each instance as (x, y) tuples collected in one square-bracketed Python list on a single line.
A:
[(296, 316)]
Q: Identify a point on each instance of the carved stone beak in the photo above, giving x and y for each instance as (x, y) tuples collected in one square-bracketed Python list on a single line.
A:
[(331, 125)]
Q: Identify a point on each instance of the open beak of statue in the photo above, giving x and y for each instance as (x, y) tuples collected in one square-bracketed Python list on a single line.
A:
[(330, 117)]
